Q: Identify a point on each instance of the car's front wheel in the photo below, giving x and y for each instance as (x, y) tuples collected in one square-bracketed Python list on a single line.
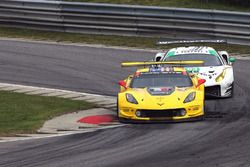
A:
[(121, 120), (232, 91)]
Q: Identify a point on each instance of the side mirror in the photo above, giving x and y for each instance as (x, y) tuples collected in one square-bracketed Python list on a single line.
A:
[(232, 59), (123, 84), (200, 82)]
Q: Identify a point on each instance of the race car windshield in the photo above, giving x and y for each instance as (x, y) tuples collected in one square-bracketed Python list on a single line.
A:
[(209, 60), (161, 80)]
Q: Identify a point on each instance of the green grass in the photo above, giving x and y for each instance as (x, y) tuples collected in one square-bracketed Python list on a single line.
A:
[(20, 113), (174, 3), (135, 42)]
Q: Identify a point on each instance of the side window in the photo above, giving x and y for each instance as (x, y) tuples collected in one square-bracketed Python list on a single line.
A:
[(194, 78), (159, 56), (129, 79), (225, 58)]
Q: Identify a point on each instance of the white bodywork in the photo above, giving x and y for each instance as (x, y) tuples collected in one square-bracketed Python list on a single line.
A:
[(213, 86), (211, 73)]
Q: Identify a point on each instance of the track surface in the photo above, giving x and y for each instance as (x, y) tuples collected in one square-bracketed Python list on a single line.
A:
[(220, 141)]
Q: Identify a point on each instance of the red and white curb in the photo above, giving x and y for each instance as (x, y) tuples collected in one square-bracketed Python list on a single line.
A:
[(78, 122)]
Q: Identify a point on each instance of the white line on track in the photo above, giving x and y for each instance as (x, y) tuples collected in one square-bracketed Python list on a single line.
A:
[(41, 136)]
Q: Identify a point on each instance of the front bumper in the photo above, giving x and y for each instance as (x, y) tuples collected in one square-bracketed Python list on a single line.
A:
[(195, 112), (191, 119), (224, 90)]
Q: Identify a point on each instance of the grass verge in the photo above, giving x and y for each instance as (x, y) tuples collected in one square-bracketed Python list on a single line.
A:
[(201, 4), (108, 40), (20, 113)]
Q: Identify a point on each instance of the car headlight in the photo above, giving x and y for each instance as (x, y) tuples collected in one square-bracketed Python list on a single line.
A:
[(130, 98), (221, 76), (190, 97)]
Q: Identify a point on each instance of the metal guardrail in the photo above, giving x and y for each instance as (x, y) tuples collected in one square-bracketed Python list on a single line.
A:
[(91, 18)]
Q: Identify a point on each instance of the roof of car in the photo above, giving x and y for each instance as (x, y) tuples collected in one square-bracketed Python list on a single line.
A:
[(161, 69), (192, 50)]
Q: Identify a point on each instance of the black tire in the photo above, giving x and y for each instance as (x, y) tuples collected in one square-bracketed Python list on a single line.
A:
[(121, 120), (203, 118), (205, 113), (231, 91), (117, 107)]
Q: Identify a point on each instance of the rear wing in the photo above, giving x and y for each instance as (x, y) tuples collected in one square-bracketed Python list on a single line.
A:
[(219, 41), (168, 63)]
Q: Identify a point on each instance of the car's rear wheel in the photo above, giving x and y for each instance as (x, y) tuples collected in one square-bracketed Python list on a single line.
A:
[(117, 109)]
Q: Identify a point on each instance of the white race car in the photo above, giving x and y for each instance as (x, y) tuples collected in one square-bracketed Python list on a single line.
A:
[(217, 68)]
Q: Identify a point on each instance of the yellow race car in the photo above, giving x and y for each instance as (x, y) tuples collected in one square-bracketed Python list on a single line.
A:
[(161, 91)]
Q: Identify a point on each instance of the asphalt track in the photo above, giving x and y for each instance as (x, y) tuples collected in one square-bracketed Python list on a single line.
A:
[(220, 141)]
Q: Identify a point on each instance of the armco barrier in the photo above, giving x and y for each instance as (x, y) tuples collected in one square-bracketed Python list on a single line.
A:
[(92, 18)]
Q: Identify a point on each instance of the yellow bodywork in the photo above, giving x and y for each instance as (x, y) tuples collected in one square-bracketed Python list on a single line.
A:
[(156, 103)]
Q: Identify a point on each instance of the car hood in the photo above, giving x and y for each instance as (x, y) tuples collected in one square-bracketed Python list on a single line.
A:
[(173, 99)]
